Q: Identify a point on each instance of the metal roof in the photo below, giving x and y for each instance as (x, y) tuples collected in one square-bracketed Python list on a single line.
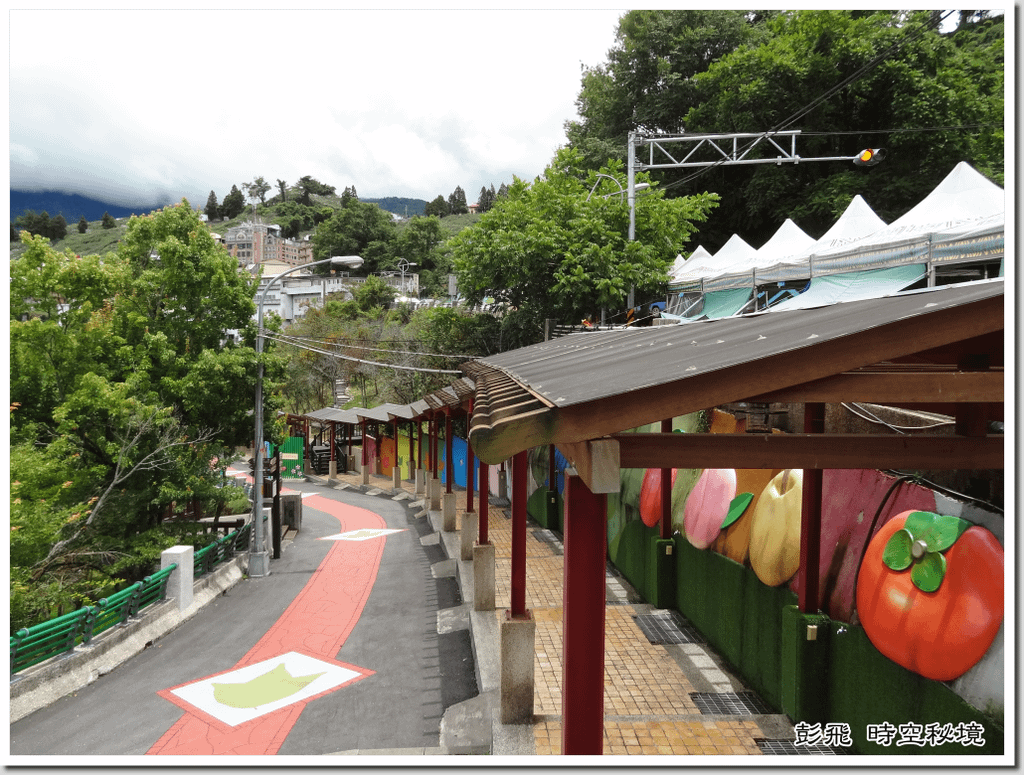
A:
[(523, 397)]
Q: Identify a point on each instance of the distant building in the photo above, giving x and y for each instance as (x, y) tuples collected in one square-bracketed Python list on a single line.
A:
[(253, 244)]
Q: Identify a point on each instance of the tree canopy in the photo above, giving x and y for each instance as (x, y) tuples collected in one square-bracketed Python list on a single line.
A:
[(131, 372), (932, 99), (550, 249)]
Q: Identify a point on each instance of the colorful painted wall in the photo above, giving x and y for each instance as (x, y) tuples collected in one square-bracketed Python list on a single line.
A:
[(911, 587)]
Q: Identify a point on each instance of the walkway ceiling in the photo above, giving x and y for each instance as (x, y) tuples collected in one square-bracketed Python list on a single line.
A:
[(939, 346)]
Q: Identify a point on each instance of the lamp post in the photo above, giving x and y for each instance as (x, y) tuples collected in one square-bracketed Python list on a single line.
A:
[(633, 187), (259, 560), (403, 265)]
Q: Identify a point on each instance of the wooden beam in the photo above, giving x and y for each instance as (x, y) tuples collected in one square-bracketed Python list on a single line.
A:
[(612, 414), (889, 387), (799, 450), (596, 462)]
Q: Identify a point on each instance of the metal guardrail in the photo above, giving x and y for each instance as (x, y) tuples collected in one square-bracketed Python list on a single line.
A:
[(32, 645)]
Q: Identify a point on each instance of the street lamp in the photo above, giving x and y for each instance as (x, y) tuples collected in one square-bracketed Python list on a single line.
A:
[(403, 265), (259, 560), (633, 187)]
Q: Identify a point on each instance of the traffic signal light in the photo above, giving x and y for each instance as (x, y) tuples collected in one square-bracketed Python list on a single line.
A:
[(869, 157)]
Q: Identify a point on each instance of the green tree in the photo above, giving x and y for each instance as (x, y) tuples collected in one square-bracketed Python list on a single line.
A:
[(549, 250), (457, 202), (310, 186), (282, 188), (921, 79), (233, 204), (647, 83), (83, 225), (58, 228), (212, 208), (124, 387), (257, 189), (108, 221), (438, 207), (357, 229), (486, 199)]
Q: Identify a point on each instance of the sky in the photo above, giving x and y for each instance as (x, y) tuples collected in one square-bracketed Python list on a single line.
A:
[(149, 106)]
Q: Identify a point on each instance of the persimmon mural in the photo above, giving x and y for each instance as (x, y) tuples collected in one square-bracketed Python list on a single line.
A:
[(897, 559)]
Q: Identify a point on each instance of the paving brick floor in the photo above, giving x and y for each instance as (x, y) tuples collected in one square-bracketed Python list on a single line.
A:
[(649, 709)]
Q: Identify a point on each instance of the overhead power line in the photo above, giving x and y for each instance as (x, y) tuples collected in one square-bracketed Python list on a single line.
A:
[(857, 75), (339, 356)]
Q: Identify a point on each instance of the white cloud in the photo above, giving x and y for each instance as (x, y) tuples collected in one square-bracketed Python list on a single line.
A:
[(395, 102)]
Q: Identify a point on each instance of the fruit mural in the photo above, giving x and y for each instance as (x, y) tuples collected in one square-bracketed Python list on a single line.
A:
[(925, 584)]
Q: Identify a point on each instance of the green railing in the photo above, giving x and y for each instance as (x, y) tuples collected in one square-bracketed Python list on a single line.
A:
[(32, 645)]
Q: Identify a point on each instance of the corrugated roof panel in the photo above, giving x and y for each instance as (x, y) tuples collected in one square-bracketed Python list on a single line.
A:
[(583, 367)]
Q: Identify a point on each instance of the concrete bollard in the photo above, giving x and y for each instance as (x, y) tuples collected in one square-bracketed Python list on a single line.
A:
[(421, 478), (366, 474), (518, 637), (449, 512), (396, 476), (332, 471), (291, 510), (468, 534), (435, 494), (179, 583), (483, 577)]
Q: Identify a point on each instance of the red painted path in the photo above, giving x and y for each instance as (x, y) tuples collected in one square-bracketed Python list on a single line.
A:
[(316, 623)]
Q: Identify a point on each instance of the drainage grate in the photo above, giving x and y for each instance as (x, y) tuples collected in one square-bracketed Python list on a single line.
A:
[(548, 537), (665, 627), (789, 748), (730, 704)]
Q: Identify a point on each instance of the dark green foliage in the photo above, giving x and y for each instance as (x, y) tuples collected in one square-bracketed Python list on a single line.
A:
[(212, 208), (123, 392), (733, 71), (457, 202), (108, 222), (83, 225), (439, 207), (233, 204)]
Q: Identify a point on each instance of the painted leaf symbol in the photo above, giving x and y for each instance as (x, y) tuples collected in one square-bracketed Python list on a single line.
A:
[(944, 532), (919, 523), (896, 554), (263, 689), (928, 572), (737, 507)]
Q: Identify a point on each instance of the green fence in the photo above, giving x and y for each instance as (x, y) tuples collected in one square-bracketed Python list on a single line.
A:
[(32, 645)]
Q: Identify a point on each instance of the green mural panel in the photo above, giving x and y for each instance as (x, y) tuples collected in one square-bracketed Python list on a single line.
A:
[(866, 688)]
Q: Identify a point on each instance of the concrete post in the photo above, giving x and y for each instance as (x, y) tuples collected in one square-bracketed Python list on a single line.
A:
[(518, 636), (435, 494), (179, 584), (421, 478), (332, 471), (291, 510), (483, 577), (448, 499), (396, 476), (468, 534)]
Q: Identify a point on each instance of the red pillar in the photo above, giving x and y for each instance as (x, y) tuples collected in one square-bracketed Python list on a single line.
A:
[(810, 518), (412, 447), (666, 490), (449, 474), (520, 467), (484, 492), (585, 527), (363, 454), (470, 473), (434, 462)]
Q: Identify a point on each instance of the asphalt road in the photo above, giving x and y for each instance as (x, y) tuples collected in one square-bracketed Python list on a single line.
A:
[(411, 673)]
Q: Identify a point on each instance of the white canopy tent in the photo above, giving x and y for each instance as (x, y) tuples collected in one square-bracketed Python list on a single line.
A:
[(960, 221)]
